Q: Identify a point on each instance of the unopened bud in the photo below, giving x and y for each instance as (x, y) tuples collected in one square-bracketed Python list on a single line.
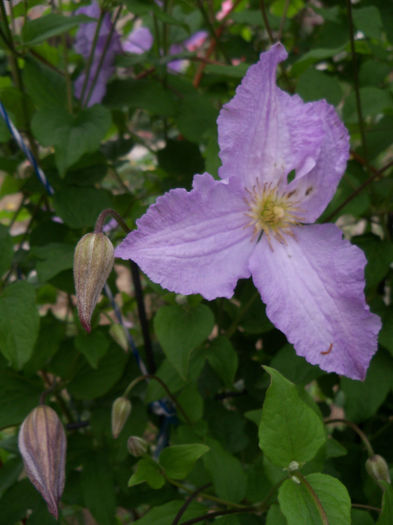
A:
[(42, 443), (93, 262), (378, 469), (137, 446), (121, 409)]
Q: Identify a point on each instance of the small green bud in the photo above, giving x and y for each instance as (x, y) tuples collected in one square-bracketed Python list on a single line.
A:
[(93, 262), (378, 469), (42, 443), (137, 446), (121, 409)]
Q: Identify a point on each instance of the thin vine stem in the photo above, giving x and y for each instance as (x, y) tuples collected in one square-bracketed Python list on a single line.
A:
[(136, 279), (187, 503), (356, 429), (91, 55), (314, 496), (138, 379), (204, 495), (102, 57), (266, 21), (211, 515), (355, 78), (283, 19), (375, 175)]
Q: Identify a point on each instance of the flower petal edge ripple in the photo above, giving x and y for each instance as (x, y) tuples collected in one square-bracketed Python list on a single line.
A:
[(257, 222)]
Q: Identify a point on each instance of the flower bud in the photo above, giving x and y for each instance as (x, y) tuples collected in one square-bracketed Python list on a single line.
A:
[(378, 469), (121, 409), (42, 443), (137, 446), (93, 262)]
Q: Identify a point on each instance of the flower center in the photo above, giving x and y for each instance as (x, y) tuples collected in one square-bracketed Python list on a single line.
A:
[(272, 211)]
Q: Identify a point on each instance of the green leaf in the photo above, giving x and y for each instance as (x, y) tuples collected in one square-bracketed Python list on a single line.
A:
[(19, 323), (179, 460), (54, 258), (227, 71), (147, 471), (314, 85), (140, 94), (361, 517), (9, 473), (181, 160), (48, 342), (71, 135), (196, 116), (298, 506), (192, 403), (386, 333), (275, 516), (38, 30), (222, 357), (98, 488), (46, 87), (374, 102), (294, 367), (379, 255), (279, 7), (6, 250), (93, 346), (363, 398), (171, 378), (313, 56), (368, 21), (70, 205), (180, 331), (386, 516), (226, 471), (289, 430), (165, 514), (18, 396), (88, 383)]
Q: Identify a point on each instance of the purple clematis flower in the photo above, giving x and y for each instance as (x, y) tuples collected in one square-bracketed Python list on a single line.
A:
[(256, 222), (83, 43), (138, 41), (191, 44)]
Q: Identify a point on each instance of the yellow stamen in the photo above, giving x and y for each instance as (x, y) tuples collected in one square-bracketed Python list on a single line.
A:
[(272, 211)]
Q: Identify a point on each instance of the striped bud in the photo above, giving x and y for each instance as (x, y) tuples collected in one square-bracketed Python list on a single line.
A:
[(93, 262), (42, 443), (378, 469), (137, 446), (121, 409)]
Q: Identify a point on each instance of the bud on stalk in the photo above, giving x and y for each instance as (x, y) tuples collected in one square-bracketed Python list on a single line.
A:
[(137, 446), (121, 409), (378, 469), (42, 443), (93, 262)]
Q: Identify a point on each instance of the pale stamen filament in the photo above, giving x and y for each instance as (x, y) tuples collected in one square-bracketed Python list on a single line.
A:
[(273, 212)]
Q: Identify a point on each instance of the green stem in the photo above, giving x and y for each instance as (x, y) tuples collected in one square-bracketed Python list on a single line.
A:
[(283, 18), (356, 429), (355, 79), (211, 515), (232, 329), (266, 21), (138, 379), (66, 72), (91, 56), (103, 216), (375, 175), (314, 496), (209, 497), (102, 57), (18, 80)]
